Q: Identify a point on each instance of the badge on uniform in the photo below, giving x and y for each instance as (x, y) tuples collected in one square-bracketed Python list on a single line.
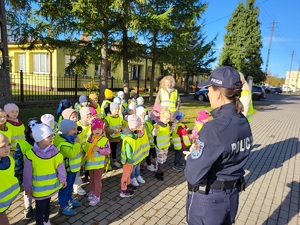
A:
[(196, 149)]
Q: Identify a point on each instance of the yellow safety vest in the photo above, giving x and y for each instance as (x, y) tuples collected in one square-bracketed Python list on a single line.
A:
[(137, 155), (168, 100), (144, 144), (149, 129), (25, 146), (7, 133), (9, 188), (114, 123), (18, 134), (71, 164), (250, 111), (102, 111), (199, 126), (163, 137), (99, 160), (45, 180), (177, 140)]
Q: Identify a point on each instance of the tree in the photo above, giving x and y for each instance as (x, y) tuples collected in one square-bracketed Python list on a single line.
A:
[(5, 89), (242, 42)]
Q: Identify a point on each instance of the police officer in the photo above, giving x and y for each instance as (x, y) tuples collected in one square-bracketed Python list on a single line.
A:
[(214, 167)]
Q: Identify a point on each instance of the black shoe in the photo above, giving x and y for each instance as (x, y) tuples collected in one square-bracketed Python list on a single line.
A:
[(28, 213), (159, 176), (162, 173), (177, 168), (130, 187)]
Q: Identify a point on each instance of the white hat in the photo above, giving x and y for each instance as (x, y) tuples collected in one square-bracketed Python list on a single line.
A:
[(40, 132), (48, 119), (140, 101), (132, 106), (121, 94), (140, 110), (117, 100)]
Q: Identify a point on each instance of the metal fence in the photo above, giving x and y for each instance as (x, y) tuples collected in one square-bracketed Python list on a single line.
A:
[(43, 87)]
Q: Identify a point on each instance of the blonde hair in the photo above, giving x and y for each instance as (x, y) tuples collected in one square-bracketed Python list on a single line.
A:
[(165, 113), (170, 79)]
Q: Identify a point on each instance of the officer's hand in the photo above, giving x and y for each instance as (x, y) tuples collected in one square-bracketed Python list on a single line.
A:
[(186, 154), (28, 193), (64, 184)]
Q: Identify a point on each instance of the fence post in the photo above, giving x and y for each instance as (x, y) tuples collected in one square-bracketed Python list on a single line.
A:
[(22, 85), (112, 82), (76, 85)]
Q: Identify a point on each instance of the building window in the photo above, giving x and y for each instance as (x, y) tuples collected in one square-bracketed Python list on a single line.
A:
[(97, 70), (136, 72), (22, 62), (41, 63)]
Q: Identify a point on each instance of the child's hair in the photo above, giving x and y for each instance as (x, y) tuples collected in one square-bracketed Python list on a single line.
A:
[(165, 113), (3, 138)]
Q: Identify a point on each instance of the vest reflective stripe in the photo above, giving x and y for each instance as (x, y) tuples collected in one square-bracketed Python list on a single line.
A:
[(99, 160), (137, 155), (9, 188), (177, 140), (25, 146), (17, 135), (71, 164), (45, 180), (149, 128), (144, 144), (251, 109), (163, 137), (114, 123), (102, 111), (168, 100)]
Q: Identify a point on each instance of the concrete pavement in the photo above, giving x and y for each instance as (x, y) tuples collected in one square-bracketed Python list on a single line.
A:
[(272, 173)]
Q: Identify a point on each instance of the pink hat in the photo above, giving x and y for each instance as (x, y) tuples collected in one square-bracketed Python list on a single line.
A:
[(134, 122), (93, 111), (202, 115), (66, 114), (157, 107), (10, 106), (96, 123)]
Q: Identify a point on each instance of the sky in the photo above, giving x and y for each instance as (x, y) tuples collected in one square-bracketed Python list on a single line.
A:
[(286, 35)]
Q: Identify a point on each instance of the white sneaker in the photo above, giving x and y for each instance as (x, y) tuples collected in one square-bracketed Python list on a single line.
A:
[(94, 201), (140, 180), (78, 190), (151, 168), (116, 164), (90, 196), (48, 223), (134, 182)]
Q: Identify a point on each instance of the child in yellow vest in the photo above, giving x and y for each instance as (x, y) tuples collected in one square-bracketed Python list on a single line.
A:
[(203, 117), (18, 128), (5, 128), (94, 103), (163, 134), (113, 125), (180, 140), (9, 188), (129, 154), (44, 172), (96, 159)]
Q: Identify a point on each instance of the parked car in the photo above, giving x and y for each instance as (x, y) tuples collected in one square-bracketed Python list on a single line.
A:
[(257, 93), (202, 94), (276, 90), (267, 89)]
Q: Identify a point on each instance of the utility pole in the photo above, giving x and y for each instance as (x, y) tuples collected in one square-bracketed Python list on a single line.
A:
[(269, 49), (5, 89), (290, 71)]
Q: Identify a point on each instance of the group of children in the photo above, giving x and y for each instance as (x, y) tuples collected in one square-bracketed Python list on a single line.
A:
[(49, 155)]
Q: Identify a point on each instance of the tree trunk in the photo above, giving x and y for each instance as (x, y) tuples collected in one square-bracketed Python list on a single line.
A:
[(125, 64), (151, 99), (5, 88), (104, 65)]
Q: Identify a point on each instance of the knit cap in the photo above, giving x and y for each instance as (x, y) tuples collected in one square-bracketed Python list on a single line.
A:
[(140, 101), (31, 122), (134, 122), (108, 93), (140, 111), (117, 100), (202, 115), (178, 115), (132, 106), (93, 96), (121, 94), (113, 106), (40, 132), (9, 107), (84, 111), (157, 107), (96, 123), (93, 111), (49, 120), (66, 125), (66, 114), (63, 104), (83, 98)]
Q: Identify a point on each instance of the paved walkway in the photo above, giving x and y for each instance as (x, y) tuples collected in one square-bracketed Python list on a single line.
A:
[(273, 175)]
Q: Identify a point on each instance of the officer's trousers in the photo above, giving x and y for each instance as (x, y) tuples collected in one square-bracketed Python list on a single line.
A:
[(215, 208)]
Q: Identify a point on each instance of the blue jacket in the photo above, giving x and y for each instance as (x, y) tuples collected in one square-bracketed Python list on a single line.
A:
[(225, 144)]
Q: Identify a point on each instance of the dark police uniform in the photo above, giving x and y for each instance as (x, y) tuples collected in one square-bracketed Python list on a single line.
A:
[(215, 171)]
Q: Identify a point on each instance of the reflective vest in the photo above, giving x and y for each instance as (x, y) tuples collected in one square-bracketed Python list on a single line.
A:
[(163, 137), (45, 180), (149, 129), (85, 133), (144, 144), (250, 111), (71, 164), (98, 110), (9, 188), (18, 134), (168, 100), (177, 139), (24, 147), (99, 160), (137, 155), (199, 126), (102, 111), (114, 123), (7, 133)]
